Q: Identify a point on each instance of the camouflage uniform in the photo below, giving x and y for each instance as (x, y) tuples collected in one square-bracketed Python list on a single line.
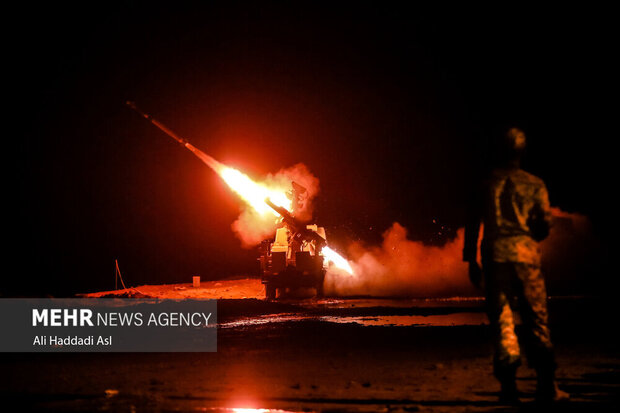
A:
[(514, 209)]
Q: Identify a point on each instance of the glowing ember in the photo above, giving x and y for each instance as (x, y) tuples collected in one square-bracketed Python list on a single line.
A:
[(249, 410)]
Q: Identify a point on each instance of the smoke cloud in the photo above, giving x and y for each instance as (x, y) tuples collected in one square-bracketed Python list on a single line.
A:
[(400, 267), (252, 227), (404, 268)]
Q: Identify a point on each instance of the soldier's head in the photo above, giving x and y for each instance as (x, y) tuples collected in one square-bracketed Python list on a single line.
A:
[(510, 147)]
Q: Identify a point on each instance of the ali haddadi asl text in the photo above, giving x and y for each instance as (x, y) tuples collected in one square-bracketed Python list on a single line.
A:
[(72, 341)]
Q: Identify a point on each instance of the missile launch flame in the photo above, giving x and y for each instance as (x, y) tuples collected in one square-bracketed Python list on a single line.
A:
[(337, 260), (253, 193)]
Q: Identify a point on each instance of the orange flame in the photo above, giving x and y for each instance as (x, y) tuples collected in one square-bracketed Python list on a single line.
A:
[(255, 194), (338, 260)]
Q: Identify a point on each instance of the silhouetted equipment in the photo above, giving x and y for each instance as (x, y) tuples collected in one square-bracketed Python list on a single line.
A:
[(300, 231), (293, 259)]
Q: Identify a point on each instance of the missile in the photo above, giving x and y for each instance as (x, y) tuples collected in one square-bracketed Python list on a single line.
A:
[(210, 161)]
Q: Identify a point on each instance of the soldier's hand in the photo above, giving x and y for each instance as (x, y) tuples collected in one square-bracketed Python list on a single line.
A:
[(539, 226), (475, 274)]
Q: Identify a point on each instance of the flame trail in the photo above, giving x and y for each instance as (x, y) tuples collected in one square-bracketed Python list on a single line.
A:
[(338, 260), (253, 193)]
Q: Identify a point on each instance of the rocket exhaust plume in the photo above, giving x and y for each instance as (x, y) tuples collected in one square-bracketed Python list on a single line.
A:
[(259, 222)]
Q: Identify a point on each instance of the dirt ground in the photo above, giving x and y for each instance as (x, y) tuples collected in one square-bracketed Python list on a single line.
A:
[(328, 356), (225, 289)]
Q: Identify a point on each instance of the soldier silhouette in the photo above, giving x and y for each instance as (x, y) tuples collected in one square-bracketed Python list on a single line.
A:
[(513, 207)]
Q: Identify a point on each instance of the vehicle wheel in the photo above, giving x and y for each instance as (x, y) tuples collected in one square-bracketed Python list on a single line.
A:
[(319, 290)]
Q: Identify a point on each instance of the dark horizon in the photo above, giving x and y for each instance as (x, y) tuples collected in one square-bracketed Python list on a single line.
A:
[(391, 108)]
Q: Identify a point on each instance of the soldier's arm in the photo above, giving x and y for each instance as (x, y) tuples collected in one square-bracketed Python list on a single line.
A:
[(545, 205), (539, 220)]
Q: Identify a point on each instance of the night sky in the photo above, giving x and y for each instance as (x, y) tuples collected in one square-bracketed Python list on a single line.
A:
[(391, 107)]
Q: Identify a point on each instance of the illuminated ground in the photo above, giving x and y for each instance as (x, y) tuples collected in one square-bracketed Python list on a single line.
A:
[(225, 289), (328, 355)]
